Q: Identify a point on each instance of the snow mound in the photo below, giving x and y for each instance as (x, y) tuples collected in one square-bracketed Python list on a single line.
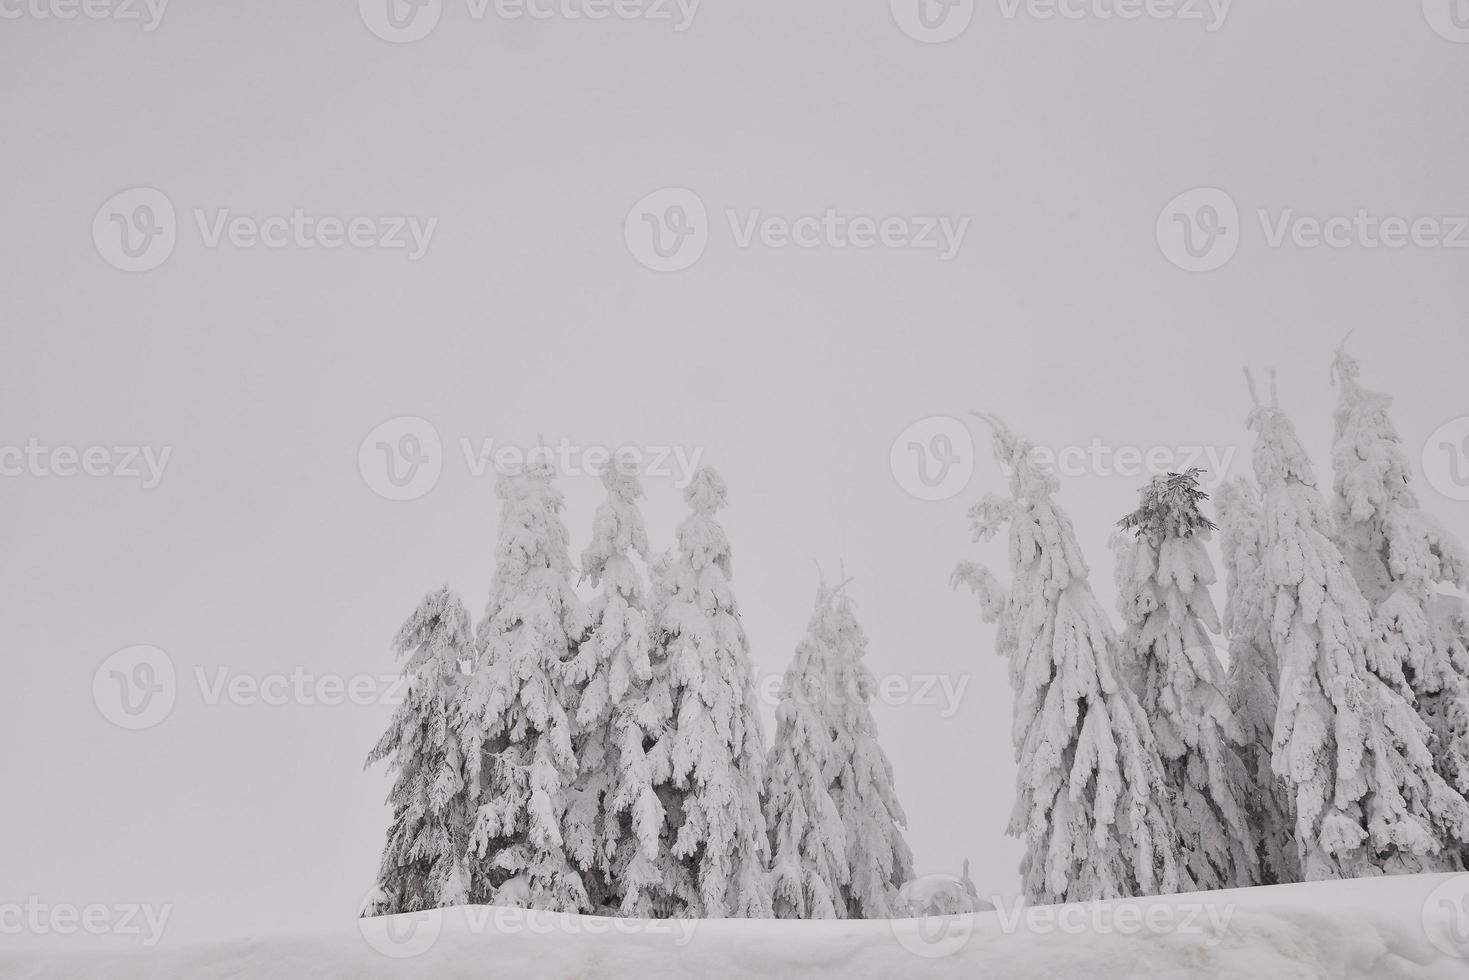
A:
[(1374, 929)]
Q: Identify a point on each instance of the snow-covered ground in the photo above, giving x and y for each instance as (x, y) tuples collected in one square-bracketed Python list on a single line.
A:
[(1377, 929)]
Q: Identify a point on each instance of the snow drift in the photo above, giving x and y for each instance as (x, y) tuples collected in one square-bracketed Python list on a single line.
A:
[(1375, 929)]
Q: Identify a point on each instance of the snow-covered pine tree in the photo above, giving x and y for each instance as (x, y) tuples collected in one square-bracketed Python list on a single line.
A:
[(1091, 806), (863, 787), (711, 755), (1353, 751), (1253, 678), (513, 712), (834, 817), (665, 886), (1163, 577), (424, 862), (808, 843), (614, 819), (1404, 560)]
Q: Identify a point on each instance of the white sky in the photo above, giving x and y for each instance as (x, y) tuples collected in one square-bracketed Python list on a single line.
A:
[(263, 550)]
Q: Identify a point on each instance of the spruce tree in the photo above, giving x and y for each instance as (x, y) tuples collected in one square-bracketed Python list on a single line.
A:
[(1405, 562), (513, 712), (863, 786), (834, 816), (653, 881), (614, 819), (1352, 750), (1091, 806), (424, 861), (808, 842), (1253, 679), (1163, 577), (710, 756)]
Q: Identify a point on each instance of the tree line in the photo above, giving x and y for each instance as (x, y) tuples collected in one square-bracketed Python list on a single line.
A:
[(1336, 742), (607, 756)]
